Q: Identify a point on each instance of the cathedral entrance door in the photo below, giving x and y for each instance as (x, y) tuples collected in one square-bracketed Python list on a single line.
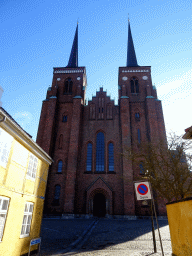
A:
[(99, 205)]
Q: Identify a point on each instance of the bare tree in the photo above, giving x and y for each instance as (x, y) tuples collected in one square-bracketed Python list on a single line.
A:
[(167, 167)]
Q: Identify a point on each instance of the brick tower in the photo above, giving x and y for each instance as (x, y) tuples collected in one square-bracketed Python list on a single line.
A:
[(91, 173)]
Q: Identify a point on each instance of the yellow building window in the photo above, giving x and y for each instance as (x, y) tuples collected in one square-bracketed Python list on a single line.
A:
[(32, 167), (20, 154), (4, 204), (5, 146), (25, 230)]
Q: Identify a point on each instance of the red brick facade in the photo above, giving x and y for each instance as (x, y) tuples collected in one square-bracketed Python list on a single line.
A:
[(67, 126)]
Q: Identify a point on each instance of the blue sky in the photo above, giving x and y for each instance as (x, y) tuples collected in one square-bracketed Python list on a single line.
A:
[(37, 36)]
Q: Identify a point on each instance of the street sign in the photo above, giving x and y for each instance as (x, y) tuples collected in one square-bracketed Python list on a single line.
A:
[(142, 190), (35, 241)]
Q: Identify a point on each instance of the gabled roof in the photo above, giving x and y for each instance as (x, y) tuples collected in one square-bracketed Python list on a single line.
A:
[(96, 181)]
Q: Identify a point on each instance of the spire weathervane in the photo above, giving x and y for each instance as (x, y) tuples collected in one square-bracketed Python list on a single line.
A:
[(73, 59), (131, 56)]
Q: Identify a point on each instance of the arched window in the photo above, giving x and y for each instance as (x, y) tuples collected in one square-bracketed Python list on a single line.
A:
[(89, 158), (139, 136), (61, 141), (68, 86), (56, 195), (59, 166), (64, 119), (142, 171), (134, 85), (137, 116), (111, 157), (100, 151)]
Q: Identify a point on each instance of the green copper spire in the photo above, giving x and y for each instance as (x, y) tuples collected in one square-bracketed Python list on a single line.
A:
[(131, 56), (73, 59)]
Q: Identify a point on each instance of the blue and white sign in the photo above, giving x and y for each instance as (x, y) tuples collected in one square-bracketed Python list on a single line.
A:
[(35, 241), (142, 190)]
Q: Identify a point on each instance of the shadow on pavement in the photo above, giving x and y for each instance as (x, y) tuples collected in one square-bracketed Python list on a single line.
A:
[(59, 234)]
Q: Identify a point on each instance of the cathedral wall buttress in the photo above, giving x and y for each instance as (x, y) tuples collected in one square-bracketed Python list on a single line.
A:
[(129, 203), (161, 124), (73, 157), (46, 125)]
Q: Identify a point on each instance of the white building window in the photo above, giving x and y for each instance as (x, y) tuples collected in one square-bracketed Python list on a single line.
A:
[(25, 230), (32, 167), (20, 154), (4, 204), (5, 146)]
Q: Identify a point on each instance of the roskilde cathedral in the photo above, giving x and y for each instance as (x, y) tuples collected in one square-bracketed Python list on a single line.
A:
[(91, 173)]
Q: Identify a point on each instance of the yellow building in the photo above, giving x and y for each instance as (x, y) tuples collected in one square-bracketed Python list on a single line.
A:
[(23, 176)]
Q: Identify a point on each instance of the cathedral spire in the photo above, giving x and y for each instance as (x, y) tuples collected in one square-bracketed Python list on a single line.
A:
[(73, 59), (131, 56)]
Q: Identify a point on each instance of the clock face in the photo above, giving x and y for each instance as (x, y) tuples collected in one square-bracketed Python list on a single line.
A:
[(78, 78), (124, 78), (145, 77)]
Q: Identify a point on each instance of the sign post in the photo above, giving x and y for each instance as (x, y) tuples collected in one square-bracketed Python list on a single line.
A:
[(33, 242), (153, 230), (144, 192)]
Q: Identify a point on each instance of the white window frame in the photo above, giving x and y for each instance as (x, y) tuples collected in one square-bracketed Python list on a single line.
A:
[(3, 214), (32, 167), (27, 219)]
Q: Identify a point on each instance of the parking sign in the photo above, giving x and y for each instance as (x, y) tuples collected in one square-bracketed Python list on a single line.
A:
[(142, 190)]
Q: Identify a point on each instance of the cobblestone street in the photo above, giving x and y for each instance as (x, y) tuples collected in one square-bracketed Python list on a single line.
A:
[(104, 237)]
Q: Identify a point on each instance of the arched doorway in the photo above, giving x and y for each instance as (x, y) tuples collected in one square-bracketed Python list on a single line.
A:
[(99, 205)]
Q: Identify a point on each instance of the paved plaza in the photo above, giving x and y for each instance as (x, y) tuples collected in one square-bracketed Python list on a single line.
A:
[(102, 237)]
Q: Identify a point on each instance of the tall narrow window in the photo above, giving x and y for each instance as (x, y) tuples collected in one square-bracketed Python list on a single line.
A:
[(59, 166), (137, 117), (111, 157), (142, 171), (4, 204), (139, 136), (68, 86), (25, 230), (5, 147), (100, 151), (101, 108), (32, 167), (89, 157), (64, 120), (56, 195), (134, 85)]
